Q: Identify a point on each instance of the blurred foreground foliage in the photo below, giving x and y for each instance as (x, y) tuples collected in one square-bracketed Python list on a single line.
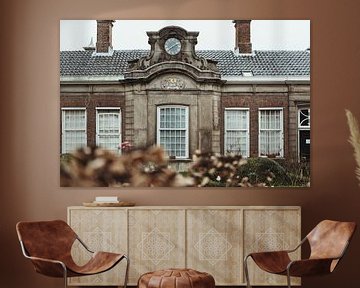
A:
[(149, 167)]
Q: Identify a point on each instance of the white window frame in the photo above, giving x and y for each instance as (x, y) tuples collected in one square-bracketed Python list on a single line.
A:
[(281, 109), (302, 128), (97, 124), (247, 128), (158, 108), (63, 109), (247, 73)]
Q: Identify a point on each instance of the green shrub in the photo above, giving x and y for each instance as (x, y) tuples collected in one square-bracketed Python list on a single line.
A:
[(298, 173), (264, 170), (276, 172)]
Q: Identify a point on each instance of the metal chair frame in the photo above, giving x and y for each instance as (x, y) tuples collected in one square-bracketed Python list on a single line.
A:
[(23, 249), (288, 276)]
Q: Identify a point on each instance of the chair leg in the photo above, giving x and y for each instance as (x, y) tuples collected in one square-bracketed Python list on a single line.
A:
[(288, 278), (65, 275), (127, 271), (246, 270)]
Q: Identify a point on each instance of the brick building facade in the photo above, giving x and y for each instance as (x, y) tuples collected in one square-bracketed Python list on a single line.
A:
[(256, 103)]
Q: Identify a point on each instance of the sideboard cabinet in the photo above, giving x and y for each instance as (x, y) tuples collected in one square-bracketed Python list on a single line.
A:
[(211, 239)]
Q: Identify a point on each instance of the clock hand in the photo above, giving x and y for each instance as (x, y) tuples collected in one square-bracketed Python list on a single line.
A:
[(171, 47)]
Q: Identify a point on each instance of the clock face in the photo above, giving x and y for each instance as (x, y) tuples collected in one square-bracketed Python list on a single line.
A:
[(172, 46)]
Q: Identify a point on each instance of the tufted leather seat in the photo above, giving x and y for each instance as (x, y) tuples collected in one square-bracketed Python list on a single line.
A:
[(176, 278)]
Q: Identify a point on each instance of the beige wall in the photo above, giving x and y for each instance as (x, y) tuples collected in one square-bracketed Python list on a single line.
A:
[(29, 114)]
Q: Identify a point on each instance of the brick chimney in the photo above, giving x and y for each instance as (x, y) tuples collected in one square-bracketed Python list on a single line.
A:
[(104, 36), (242, 36)]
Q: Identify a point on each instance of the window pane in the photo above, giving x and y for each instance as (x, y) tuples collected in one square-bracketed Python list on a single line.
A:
[(173, 125), (174, 142), (173, 117), (236, 131), (236, 142), (262, 120), (271, 134), (304, 118), (74, 130), (109, 142), (109, 129), (108, 122)]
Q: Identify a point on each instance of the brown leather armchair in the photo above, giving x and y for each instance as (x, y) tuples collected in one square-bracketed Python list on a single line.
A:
[(48, 245), (328, 242)]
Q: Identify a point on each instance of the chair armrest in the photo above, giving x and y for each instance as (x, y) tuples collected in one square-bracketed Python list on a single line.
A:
[(309, 267), (46, 260), (48, 267), (281, 251), (268, 253), (298, 246)]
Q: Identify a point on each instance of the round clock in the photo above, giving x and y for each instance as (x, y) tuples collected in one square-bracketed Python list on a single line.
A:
[(172, 46)]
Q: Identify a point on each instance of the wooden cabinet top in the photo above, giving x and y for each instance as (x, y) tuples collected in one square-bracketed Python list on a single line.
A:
[(194, 207)]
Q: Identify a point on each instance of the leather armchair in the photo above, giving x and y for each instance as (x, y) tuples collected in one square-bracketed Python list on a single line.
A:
[(48, 245), (328, 243)]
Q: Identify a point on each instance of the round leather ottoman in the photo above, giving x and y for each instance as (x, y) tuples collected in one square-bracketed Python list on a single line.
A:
[(176, 278)]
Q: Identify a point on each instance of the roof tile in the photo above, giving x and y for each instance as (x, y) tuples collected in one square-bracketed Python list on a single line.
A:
[(261, 63)]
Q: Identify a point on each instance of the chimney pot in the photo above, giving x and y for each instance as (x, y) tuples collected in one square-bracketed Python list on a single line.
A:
[(243, 36), (91, 46), (104, 36)]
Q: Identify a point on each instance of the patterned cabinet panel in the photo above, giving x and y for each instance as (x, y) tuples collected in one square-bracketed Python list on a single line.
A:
[(214, 244), (156, 240), (271, 229), (101, 230)]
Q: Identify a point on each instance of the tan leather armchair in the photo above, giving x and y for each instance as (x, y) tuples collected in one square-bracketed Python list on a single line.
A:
[(48, 245), (328, 242)]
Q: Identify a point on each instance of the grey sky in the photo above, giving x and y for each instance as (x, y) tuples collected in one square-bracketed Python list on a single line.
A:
[(214, 34)]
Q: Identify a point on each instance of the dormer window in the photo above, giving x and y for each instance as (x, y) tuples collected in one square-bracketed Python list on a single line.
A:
[(247, 73)]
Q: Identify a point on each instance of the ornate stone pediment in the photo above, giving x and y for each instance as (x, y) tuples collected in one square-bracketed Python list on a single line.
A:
[(172, 48), (172, 82)]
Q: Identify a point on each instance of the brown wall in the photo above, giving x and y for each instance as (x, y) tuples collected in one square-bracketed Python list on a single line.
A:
[(29, 119)]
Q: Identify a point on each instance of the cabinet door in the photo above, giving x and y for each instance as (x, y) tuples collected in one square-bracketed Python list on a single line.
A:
[(101, 230), (269, 230), (214, 244), (156, 240)]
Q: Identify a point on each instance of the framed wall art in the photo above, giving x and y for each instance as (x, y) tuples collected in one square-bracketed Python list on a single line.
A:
[(222, 103)]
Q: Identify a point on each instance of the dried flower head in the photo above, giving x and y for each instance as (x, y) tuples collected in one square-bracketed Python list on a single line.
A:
[(354, 139), (141, 167), (211, 168), (149, 167)]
